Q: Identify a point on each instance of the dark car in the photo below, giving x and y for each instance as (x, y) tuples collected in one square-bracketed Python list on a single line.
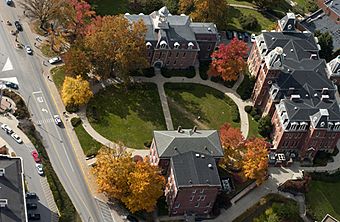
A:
[(18, 26), (31, 195), (229, 34), (33, 216), (12, 85), (31, 206), (239, 36), (131, 218), (245, 37), (9, 2)]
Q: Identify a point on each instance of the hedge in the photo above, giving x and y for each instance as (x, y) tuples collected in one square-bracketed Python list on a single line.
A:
[(189, 73)]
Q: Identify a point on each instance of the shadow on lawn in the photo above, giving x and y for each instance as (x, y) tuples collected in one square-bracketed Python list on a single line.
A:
[(142, 99)]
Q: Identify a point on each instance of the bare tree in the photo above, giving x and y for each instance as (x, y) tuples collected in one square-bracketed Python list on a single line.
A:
[(43, 10)]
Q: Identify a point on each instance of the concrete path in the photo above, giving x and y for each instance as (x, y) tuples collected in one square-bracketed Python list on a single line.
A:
[(231, 93)]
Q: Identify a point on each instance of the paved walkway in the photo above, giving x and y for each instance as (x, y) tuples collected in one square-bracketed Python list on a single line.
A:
[(230, 92)]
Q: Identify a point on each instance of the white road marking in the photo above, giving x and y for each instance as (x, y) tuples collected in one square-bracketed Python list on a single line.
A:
[(44, 110), (8, 66), (50, 120), (40, 99), (36, 92)]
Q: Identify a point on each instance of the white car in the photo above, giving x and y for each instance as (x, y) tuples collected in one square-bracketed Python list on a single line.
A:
[(54, 60), (16, 138), (39, 167), (28, 50), (6, 128), (252, 37), (57, 120)]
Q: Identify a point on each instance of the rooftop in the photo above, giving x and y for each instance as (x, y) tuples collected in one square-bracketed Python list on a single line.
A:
[(329, 218), (173, 142), (320, 21), (11, 190), (334, 5), (193, 168)]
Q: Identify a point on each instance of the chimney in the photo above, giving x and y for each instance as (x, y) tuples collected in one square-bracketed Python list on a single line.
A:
[(179, 129), (210, 165), (3, 203), (2, 172)]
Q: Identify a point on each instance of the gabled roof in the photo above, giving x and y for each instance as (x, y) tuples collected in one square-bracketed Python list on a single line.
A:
[(195, 169), (171, 143)]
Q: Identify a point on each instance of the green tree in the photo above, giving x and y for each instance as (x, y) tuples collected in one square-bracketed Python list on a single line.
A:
[(145, 6), (172, 5), (249, 22), (265, 126), (326, 44)]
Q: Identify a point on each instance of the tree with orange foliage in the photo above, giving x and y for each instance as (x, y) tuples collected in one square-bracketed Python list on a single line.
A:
[(232, 143), (146, 186), (255, 160), (137, 185), (228, 61)]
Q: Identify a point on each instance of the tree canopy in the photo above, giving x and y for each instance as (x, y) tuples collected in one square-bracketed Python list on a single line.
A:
[(326, 44), (228, 61), (75, 91), (116, 47), (137, 185)]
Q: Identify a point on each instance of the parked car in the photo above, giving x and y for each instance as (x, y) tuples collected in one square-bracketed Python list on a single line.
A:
[(32, 216), (39, 167), (229, 35), (31, 195), (16, 138), (54, 60), (252, 38), (35, 155), (6, 128), (11, 85), (28, 50), (31, 206), (245, 37), (57, 120), (239, 35), (9, 2), (18, 26), (131, 218)]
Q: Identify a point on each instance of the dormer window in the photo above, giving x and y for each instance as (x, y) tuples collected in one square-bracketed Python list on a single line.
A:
[(148, 45), (190, 45), (163, 44), (176, 45)]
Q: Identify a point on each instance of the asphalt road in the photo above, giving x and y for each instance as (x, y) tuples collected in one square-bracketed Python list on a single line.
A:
[(28, 71)]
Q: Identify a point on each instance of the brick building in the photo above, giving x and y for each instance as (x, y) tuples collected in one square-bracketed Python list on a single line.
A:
[(189, 161), (174, 41), (292, 86), (331, 8)]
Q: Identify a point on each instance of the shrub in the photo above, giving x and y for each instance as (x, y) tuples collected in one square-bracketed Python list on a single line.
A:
[(248, 109), (72, 108), (312, 6), (265, 126), (75, 121), (204, 66), (257, 117), (246, 88), (253, 112), (249, 22), (297, 9), (235, 116)]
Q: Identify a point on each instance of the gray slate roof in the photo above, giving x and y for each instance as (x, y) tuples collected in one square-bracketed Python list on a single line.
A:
[(321, 21), (11, 188), (171, 143), (192, 168)]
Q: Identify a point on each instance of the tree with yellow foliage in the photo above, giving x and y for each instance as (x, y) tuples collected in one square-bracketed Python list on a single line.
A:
[(137, 185), (255, 160), (75, 91), (146, 186)]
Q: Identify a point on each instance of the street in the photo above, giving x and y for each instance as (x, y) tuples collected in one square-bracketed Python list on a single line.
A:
[(32, 86)]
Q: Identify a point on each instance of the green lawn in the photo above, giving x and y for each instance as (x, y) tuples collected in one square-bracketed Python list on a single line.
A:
[(213, 107), (235, 13), (127, 116), (47, 51), (253, 130), (58, 76), (88, 144), (324, 198), (110, 7)]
